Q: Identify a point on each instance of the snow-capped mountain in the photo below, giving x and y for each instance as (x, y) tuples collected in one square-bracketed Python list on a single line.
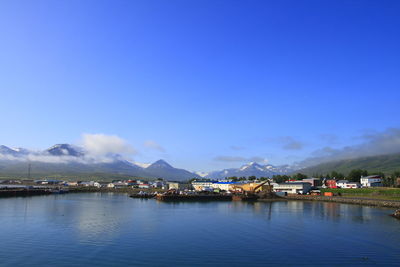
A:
[(5, 150), (251, 169), (64, 159), (69, 159), (65, 150)]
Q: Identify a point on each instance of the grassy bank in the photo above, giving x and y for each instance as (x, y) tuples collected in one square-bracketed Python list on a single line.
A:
[(384, 193)]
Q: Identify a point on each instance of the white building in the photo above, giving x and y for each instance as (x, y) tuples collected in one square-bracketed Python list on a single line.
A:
[(371, 181), (202, 185), (347, 184), (292, 188)]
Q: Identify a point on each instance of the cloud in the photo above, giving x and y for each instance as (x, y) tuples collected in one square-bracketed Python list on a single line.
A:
[(103, 145), (153, 145), (241, 159), (372, 144), (290, 143)]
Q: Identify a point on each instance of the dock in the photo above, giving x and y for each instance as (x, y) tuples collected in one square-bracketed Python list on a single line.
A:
[(23, 192), (194, 197)]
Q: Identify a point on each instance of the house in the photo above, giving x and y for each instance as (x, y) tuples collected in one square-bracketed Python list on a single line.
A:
[(158, 184), (117, 184), (371, 181), (331, 183), (292, 188), (144, 186), (341, 183), (347, 184)]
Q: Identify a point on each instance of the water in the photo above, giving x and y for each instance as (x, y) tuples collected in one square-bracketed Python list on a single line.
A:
[(105, 229)]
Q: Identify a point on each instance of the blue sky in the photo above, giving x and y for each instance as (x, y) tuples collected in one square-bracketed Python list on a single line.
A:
[(203, 84)]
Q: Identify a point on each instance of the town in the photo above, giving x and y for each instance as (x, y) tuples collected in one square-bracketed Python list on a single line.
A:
[(305, 186)]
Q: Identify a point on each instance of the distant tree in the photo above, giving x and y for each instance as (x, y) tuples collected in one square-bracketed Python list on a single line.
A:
[(233, 179), (252, 178), (299, 176), (280, 178), (336, 175), (355, 175)]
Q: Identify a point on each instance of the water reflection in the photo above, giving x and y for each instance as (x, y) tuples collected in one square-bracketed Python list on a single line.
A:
[(106, 229)]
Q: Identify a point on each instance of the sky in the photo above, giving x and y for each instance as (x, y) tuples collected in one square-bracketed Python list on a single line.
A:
[(204, 85)]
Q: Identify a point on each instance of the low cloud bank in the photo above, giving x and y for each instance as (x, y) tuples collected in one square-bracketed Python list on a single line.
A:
[(94, 148), (373, 144)]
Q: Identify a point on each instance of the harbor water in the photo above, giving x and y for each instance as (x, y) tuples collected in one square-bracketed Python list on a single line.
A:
[(107, 229)]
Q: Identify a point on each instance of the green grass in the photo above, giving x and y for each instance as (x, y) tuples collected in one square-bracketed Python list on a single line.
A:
[(384, 193)]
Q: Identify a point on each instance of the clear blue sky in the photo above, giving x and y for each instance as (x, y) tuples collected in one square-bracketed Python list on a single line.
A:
[(214, 83)]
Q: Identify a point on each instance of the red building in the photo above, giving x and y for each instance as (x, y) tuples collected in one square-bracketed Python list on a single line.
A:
[(331, 183)]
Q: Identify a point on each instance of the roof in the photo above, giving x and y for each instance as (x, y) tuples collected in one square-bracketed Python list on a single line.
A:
[(372, 177)]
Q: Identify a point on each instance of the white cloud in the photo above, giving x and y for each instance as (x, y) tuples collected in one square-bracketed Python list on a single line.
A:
[(103, 145), (376, 143), (153, 145)]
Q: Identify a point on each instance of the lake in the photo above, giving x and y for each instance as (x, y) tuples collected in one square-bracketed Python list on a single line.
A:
[(107, 229)]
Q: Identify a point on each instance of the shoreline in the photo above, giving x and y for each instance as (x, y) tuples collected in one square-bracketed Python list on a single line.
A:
[(345, 200)]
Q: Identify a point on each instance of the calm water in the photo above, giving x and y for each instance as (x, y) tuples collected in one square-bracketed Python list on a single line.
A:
[(113, 230)]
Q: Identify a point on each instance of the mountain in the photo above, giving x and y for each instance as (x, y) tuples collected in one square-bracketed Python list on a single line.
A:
[(15, 152), (251, 169), (162, 169), (65, 160), (383, 163), (65, 150)]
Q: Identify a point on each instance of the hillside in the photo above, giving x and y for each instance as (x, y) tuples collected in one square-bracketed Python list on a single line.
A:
[(383, 163)]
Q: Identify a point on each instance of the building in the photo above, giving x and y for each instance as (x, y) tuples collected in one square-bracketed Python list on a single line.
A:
[(313, 181), (203, 185), (223, 186), (347, 184), (341, 183), (144, 186), (158, 184), (371, 181), (178, 186), (331, 183), (292, 188)]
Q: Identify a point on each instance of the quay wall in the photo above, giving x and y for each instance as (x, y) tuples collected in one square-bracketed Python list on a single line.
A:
[(345, 200)]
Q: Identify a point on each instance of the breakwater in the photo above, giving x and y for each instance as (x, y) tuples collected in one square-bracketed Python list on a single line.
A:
[(23, 192), (358, 201)]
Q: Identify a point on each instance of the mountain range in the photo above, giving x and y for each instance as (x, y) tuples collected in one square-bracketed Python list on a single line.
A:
[(382, 163), (69, 161), (251, 169)]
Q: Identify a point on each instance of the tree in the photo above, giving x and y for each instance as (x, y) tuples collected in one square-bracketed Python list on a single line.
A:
[(280, 178), (355, 175), (337, 175), (252, 178), (299, 176)]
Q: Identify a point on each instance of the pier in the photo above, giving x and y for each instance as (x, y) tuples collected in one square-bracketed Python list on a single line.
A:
[(23, 192), (194, 197)]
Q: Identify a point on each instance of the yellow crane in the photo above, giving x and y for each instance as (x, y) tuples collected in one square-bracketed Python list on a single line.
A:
[(252, 191)]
